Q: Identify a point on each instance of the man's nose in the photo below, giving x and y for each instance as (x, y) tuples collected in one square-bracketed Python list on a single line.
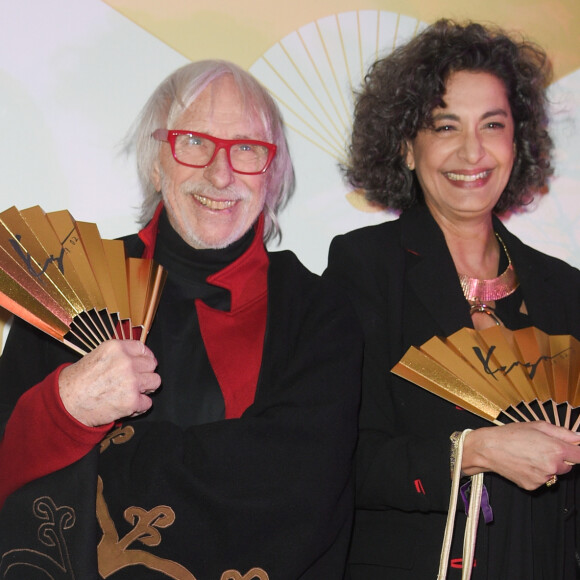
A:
[(219, 172)]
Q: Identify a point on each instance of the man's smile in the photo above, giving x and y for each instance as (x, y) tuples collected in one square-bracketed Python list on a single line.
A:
[(214, 203)]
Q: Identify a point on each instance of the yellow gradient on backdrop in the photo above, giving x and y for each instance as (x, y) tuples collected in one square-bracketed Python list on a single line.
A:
[(244, 31)]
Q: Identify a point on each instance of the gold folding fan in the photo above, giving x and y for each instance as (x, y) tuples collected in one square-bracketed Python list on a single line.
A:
[(59, 275), (501, 375)]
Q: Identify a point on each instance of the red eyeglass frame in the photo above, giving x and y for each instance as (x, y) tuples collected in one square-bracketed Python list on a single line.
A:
[(169, 135)]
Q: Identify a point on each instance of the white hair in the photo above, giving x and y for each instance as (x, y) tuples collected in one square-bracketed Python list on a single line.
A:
[(174, 95)]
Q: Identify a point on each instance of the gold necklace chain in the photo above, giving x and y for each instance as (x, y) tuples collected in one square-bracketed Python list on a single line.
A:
[(481, 291)]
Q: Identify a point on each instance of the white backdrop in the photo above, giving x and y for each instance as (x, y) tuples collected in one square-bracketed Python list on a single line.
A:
[(75, 73)]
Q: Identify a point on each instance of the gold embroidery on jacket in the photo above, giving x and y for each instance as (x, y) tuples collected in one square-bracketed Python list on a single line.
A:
[(115, 553), (51, 534), (117, 437), (253, 574)]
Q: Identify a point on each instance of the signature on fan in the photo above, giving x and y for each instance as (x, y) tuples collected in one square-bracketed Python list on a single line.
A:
[(531, 367), (30, 262)]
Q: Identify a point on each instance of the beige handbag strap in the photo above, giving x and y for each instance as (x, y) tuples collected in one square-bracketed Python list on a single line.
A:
[(472, 518)]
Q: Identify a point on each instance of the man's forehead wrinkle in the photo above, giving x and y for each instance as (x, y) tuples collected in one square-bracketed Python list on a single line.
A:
[(206, 123)]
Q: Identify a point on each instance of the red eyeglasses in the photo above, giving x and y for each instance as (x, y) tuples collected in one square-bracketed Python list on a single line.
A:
[(245, 156)]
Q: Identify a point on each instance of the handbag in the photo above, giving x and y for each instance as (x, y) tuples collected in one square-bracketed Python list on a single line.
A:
[(470, 536)]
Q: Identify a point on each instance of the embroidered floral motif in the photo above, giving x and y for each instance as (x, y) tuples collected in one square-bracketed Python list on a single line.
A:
[(51, 533), (117, 437), (253, 574), (116, 553)]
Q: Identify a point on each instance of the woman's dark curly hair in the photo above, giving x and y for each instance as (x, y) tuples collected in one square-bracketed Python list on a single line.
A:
[(401, 90)]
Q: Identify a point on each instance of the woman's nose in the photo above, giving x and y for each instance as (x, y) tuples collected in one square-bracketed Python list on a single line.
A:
[(471, 148)]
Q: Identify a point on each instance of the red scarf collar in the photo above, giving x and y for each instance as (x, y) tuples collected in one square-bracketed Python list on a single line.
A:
[(234, 340)]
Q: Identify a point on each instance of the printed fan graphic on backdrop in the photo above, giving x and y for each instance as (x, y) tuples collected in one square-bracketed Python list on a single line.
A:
[(501, 375), (313, 72), (59, 275)]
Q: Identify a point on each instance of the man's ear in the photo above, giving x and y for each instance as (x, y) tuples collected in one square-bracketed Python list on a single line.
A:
[(156, 177), (409, 155)]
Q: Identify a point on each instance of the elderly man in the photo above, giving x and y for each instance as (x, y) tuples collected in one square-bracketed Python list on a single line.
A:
[(222, 449)]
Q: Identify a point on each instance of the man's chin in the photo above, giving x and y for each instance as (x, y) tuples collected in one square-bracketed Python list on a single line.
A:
[(213, 242)]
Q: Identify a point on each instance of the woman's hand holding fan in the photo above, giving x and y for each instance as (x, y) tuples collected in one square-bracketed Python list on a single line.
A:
[(525, 381), (501, 375)]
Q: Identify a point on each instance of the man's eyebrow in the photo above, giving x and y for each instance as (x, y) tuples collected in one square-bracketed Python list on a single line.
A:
[(236, 137), (245, 136)]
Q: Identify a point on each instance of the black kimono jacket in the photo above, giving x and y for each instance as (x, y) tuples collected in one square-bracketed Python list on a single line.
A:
[(403, 283), (265, 495)]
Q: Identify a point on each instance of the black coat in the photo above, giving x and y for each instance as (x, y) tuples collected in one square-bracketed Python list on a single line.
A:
[(271, 490), (403, 283)]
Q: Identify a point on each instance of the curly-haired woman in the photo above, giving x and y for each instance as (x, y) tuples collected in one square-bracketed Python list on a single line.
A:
[(451, 128)]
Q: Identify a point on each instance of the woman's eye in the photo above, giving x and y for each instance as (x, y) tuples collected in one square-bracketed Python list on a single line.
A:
[(444, 128)]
